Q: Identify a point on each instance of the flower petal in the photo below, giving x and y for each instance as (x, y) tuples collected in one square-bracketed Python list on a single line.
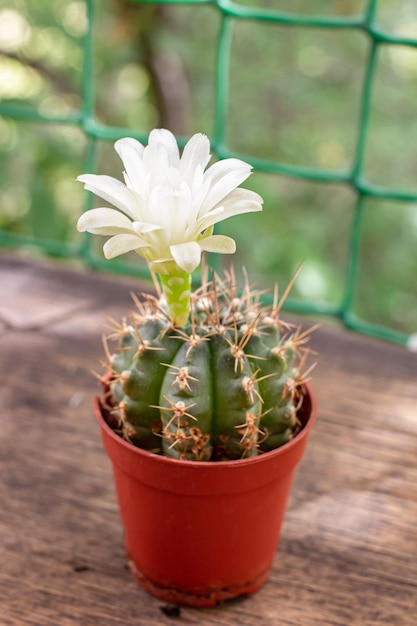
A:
[(241, 201), (237, 203), (131, 151), (160, 156), (96, 221), (129, 143), (225, 177), (171, 209), (218, 243), (119, 244), (196, 153), (186, 255), (145, 227), (161, 136), (113, 191)]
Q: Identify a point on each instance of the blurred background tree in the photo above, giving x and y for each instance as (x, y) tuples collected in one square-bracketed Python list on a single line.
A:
[(292, 103)]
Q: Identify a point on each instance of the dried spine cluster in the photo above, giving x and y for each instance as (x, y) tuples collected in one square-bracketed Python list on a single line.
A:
[(225, 386)]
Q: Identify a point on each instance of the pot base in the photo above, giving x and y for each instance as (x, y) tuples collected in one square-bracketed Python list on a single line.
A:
[(205, 598)]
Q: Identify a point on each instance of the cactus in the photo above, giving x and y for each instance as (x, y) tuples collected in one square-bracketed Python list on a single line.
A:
[(226, 385), (201, 376)]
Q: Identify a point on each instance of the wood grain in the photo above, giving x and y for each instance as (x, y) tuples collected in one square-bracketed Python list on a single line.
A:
[(348, 553)]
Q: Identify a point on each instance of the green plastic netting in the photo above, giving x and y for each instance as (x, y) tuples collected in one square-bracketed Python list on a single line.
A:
[(231, 15)]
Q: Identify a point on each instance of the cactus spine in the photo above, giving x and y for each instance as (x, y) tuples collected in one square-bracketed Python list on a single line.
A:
[(226, 385)]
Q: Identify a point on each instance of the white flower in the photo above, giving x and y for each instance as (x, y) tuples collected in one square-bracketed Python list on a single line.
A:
[(167, 208)]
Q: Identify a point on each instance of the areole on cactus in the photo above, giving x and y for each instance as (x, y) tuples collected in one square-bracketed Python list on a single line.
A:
[(212, 374)]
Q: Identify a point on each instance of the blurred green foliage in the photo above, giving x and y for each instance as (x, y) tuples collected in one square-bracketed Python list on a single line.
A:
[(293, 95)]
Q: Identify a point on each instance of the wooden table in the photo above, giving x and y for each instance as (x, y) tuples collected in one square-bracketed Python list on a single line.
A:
[(348, 553)]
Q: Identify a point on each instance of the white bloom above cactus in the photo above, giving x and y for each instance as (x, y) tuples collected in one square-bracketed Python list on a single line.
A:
[(169, 204), (167, 208)]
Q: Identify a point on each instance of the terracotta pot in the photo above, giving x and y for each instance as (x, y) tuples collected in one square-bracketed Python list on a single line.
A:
[(198, 533)]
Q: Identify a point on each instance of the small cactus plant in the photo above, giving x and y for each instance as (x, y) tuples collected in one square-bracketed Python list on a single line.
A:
[(226, 385), (209, 375)]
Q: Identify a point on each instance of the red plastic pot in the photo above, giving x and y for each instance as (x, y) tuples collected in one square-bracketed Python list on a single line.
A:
[(199, 533)]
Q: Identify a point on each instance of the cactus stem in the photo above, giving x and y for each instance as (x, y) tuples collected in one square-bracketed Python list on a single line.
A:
[(176, 287), (211, 375)]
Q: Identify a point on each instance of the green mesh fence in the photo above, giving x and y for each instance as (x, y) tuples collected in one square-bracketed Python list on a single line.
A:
[(231, 14)]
